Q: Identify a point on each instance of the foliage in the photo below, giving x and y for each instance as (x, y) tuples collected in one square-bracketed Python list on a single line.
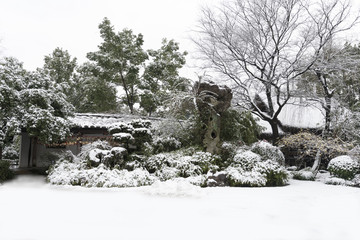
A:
[(161, 78), (33, 101), (46, 110), (268, 151), (61, 68), (5, 172), (165, 144), (250, 169), (346, 126), (182, 163), (66, 172), (119, 59), (344, 167), (304, 146), (96, 93), (12, 78), (239, 126)]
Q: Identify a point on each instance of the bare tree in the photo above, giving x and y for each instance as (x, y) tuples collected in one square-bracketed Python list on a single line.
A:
[(330, 77), (263, 46)]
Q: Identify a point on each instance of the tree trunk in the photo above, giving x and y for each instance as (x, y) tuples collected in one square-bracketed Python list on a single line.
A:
[(1, 152), (275, 131), (327, 108), (316, 165)]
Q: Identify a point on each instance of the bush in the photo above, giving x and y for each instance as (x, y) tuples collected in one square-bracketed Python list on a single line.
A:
[(182, 163), (268, 151), (5, 172), (239, 126), (301, 149), (248, 169), (246, 159), (343, 167), (275, 174), (78, 174), (165, 144), (304, 174)]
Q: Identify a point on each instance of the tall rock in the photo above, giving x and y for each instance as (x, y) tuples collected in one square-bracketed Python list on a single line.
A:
[(212, 100)]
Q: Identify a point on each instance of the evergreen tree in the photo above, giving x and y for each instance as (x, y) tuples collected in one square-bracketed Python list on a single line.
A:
[(12, 77), (60, 66), (161, 76), (119, 59), (31, 101), (97, 95)]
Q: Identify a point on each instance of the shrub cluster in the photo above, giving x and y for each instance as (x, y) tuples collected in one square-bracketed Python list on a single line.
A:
[(5, 172), (258, 167), (301, 149), (343, 167)]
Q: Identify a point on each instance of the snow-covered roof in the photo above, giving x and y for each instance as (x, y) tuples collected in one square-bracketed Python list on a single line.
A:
[(96, 120), (300, 114)]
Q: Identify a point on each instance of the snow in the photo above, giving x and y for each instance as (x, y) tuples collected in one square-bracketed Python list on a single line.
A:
[(32, 209)]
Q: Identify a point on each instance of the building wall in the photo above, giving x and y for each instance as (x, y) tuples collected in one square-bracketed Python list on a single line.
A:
[(24, 150), (45, 155)]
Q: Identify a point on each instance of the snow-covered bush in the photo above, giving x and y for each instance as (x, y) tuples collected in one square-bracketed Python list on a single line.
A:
[(238, 177), (248, 169), (275, 174), (165, 144), (11, 152), (304, 174), (121, 127), (246, 159), (78, 174), (227, 153), (343, 167), (268, 151), (301, 149), (140, 123), (180, 164), (73, 170)]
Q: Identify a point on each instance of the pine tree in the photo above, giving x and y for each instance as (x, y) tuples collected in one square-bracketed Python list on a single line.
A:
[(119, 59)]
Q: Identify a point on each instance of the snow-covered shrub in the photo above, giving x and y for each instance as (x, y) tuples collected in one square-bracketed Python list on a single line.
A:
[(238, 177), (121, 127), (268, 151), (140, 123), (337, 181), (246, 159), (343, 167), (275, 174), (66, 172), (115, 157), (249, 170), (5, 172), (10, 152), (141, 135), (180, 164), (304, 174), (165, 144), (301, 149), (124, 138), (227, 153)]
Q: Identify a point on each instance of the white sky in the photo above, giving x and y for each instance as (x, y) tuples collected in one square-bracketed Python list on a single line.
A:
[(31, 29)]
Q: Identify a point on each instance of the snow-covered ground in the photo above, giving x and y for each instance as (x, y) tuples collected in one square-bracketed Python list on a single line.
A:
[(31, 209)]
